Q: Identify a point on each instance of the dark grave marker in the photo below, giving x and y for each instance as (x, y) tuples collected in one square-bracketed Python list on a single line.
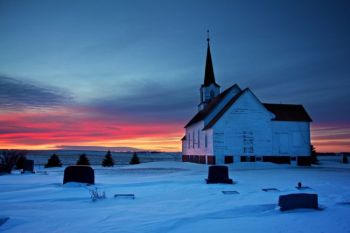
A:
[(80, 174), (127, 195), (297, 201), (230, 192), (218, 174), (28, 166), (344, 203), (270, 190)]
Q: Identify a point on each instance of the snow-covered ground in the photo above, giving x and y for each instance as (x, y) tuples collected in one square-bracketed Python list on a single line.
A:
[(173, 197)]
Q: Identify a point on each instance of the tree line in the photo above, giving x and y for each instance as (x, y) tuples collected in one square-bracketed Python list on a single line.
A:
[(10, 159)]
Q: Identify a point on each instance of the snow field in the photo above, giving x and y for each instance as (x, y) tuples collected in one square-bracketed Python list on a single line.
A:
[(173, 197)]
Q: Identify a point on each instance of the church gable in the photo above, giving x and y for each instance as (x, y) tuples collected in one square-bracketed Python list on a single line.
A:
[(250, 100)]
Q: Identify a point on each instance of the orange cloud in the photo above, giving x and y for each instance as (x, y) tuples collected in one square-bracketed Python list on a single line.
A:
[(49, 129), (331, 137)]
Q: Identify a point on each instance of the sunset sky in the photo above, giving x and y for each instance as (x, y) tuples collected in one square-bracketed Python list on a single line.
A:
[(127, 73)]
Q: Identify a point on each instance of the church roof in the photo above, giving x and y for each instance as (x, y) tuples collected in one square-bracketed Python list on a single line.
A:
[(288, 112), (282, 112), (207, 110), (209, 77), (224, 109)]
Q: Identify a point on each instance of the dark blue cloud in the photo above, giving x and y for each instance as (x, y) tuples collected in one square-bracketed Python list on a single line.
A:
[(16, 95), (150, 103)]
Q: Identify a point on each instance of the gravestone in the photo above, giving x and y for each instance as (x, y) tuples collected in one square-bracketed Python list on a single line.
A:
[(297, 201), (28, 166), (218, 174), (80, 174), (270, 190), (230, 192)]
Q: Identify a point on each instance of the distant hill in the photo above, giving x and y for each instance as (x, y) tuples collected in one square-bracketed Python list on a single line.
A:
[(101, 148), (91, 148)]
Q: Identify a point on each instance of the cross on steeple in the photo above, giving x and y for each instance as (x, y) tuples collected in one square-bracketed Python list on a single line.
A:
[(208, 38)]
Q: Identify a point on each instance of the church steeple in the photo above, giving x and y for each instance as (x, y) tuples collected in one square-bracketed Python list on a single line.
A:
[(209, 89), (209, 77)]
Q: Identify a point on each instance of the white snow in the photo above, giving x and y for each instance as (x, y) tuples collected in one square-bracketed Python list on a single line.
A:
[(173, 197)]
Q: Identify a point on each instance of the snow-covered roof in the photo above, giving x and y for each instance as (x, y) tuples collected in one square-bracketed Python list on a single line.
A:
[(288, 112), (282, 112)]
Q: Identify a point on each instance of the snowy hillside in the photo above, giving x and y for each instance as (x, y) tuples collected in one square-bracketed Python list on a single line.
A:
[(173, 197)]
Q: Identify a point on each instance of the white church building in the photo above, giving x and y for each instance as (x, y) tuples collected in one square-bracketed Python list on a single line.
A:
[(234, 125)]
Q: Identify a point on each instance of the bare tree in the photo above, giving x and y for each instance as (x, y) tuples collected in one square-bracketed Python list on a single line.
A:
[(9, 158)]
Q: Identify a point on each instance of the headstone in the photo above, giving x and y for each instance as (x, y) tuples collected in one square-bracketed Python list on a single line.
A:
[(218, 174), (298, 200), (270, 190), (124, 195), (28, 166), (299, 185), (230, 192), (79, 173)]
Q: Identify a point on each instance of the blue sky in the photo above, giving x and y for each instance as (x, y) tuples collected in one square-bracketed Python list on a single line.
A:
[(144, 60)]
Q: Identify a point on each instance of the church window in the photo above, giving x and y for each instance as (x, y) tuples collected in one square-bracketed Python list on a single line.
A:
[(193, 139), (189, 140), (248, 142), (199, 143), (206, 141)]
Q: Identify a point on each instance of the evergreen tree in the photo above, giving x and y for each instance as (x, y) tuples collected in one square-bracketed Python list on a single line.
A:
[(134, 159), (313, 155), (53, 161), (83, 160), (108, 160)]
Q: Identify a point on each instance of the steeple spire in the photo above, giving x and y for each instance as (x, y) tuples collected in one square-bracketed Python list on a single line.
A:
[(209, 77), (209, 89)]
